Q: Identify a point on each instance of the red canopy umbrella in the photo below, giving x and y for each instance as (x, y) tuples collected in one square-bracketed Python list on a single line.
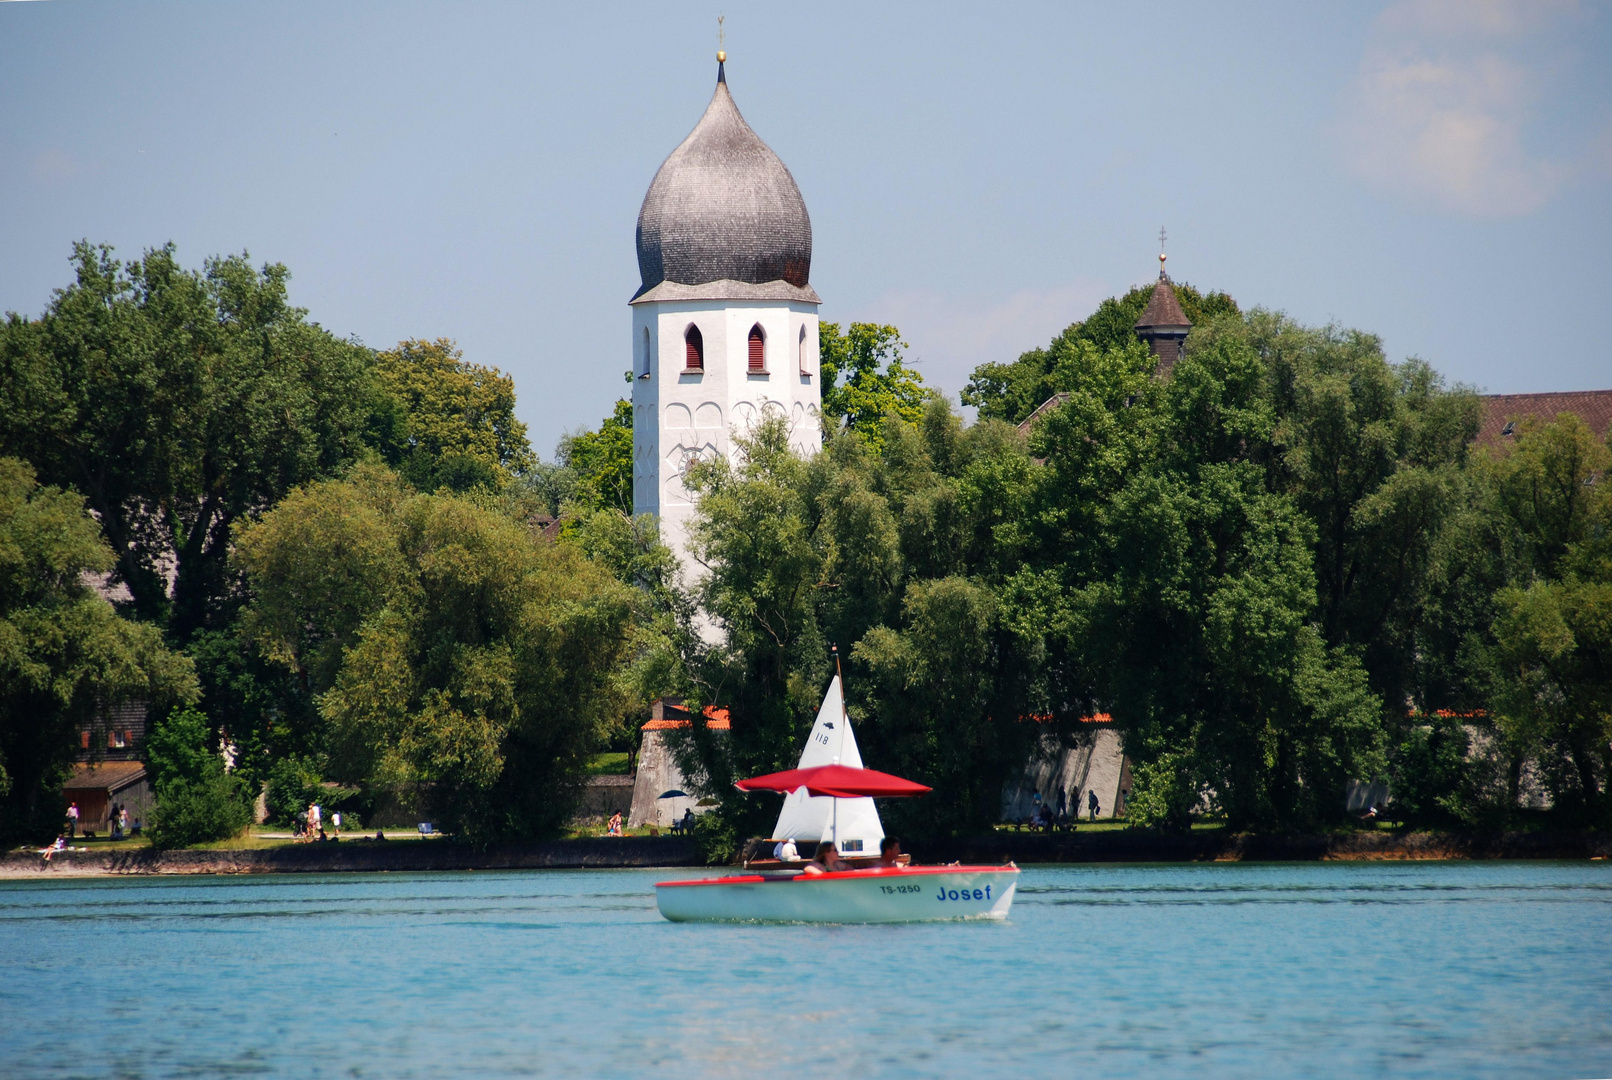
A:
[(838, 781)]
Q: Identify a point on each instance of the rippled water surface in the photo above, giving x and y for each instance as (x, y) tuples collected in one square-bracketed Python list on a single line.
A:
[(1455, 969)]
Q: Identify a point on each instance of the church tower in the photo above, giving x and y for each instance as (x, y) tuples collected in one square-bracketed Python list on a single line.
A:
[(1163, 325), (724, 323)]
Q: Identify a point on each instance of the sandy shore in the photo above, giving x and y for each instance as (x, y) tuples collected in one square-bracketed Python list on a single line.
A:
[(360, 856)]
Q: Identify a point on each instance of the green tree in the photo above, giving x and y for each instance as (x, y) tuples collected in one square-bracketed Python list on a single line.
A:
[(1180, 592), (197, 799), (455, 655), (1013, 391), (455, 425), (65, 655), (178, 402), (754, 536), (600, 464), (871, 545), (1372, 452), (1553, 624), (865, 378)]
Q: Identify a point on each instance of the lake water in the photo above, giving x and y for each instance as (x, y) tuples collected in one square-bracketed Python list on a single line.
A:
[(1453, 969)]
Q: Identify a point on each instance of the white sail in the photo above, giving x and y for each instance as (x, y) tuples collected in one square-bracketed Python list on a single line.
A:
[(813, 817)]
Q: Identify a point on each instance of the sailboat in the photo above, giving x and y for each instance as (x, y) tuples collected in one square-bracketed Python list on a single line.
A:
[(851, 825), (833, 799)]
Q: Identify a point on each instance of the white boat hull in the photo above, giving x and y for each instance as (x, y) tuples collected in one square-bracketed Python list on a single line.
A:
[(878, 894)]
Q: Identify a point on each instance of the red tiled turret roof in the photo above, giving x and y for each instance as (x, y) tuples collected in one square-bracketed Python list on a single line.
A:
[(1163, 309)]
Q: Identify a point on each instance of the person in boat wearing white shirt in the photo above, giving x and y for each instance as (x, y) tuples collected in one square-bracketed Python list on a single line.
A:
[(889, 851), (785, 851), (826, 861)]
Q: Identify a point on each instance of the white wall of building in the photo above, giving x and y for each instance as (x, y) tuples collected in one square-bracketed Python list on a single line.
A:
[(678, 413)]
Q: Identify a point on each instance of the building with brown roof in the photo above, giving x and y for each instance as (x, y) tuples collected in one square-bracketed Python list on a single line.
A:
[(97, 788), (1504, 414)]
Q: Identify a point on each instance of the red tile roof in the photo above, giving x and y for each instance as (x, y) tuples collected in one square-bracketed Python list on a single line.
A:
[(1594, 407), (715, 719)]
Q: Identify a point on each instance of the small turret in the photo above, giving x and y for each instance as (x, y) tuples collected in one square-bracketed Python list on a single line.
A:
[(1163, 325)]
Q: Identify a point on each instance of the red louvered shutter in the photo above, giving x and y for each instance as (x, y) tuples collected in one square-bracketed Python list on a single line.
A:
[(758, 349), (693, 350)]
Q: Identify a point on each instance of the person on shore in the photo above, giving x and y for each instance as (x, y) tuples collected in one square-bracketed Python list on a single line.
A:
[(614, 828), (335, 823), (380, 834), (72, 821), (315, 824), (785, 850), (123, 821), (1092, 803), (115, 820), (889, 852), (688, 822), (827, 860)]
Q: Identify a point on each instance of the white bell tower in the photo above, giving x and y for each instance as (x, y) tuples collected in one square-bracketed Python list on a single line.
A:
[(725, 322)]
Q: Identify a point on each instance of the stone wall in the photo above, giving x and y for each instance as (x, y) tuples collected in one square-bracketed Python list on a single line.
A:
[(604, 796), (1097, 763), (657, 774)]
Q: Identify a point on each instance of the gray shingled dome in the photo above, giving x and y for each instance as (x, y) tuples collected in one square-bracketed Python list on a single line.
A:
[(724, 208)]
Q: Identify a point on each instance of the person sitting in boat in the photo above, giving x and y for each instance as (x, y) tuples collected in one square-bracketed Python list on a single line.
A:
[(889, 851), (826, 861), (785, 850)]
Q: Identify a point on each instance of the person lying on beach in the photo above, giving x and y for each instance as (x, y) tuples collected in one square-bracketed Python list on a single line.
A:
[(889, 851), (826, 861)]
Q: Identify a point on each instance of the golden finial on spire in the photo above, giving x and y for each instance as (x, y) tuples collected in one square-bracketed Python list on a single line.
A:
[(1162, 255), (721, 40)]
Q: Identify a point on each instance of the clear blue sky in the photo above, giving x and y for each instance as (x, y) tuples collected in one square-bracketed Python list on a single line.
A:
[(1438, 171)]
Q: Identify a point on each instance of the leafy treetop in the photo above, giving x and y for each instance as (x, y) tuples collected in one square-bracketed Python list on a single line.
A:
[(1013, 391), (865, 378)]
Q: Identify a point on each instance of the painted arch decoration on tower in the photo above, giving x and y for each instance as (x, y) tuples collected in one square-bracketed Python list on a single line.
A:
[(725, 318)]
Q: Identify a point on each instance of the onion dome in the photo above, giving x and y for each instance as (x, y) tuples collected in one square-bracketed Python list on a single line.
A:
[(723, 217)]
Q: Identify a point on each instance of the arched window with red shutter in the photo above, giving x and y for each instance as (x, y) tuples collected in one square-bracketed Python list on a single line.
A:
[(693, 349), (758, 351)]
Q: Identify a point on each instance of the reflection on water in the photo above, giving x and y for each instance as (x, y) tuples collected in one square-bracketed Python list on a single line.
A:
[(1477, 969)]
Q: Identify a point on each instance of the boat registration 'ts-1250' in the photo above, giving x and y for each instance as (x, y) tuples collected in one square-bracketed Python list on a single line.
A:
[(876, 894)]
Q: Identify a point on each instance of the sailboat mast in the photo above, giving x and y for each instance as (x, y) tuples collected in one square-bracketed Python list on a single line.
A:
[(844, 722)]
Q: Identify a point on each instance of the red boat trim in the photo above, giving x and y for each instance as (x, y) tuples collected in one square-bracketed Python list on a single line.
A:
[(839, 875)]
